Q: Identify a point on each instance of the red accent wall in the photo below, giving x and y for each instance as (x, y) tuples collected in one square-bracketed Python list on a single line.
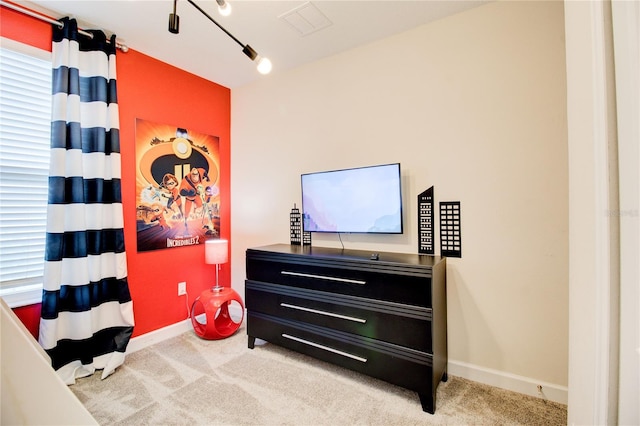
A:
[(155, 91), (30, 317), (25, 29)]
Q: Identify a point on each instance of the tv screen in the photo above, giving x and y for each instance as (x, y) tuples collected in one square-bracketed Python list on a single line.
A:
[(358, 200)]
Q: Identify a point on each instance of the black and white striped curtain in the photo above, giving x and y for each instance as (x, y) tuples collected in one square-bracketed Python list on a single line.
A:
[(87, 312)]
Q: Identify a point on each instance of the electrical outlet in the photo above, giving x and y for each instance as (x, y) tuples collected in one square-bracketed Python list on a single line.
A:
[(182, 288)]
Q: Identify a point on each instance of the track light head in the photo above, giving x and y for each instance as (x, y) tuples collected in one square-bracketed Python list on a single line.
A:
[(174, 20), (248, 50), (174, 23), (224, 8), (264, 64)]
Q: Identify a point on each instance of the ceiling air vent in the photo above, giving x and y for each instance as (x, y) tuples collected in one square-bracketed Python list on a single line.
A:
[(306, 19)]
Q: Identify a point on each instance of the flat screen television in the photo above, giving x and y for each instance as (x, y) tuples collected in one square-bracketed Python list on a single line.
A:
[(358, 200)]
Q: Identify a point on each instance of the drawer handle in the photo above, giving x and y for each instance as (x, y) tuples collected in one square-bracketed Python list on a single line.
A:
[(322, 277), (326, 348), (329, 314)]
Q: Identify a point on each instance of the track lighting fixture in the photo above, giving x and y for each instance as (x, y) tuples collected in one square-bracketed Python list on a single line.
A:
[(264, 64)]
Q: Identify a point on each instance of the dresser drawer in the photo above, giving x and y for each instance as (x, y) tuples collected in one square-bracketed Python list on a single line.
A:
[(394, 364), (354, 279), (400, 324)]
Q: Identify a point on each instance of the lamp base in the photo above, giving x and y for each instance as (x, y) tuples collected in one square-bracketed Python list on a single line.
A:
[(210, 314)]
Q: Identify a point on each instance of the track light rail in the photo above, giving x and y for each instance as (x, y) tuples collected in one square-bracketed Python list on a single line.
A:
[(215, 22)]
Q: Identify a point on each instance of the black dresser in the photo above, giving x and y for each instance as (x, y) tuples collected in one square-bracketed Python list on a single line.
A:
[(381, 314)]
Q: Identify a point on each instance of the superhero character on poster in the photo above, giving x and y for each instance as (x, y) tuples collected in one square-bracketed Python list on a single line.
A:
[(177, 186)]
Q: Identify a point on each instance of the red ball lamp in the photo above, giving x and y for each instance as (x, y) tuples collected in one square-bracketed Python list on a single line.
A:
[(210, 314)]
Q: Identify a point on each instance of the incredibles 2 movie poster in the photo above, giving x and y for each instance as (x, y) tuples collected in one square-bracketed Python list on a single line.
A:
[(177, 186)]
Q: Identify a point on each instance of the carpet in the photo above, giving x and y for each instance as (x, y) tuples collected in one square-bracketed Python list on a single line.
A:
[(187, 380)]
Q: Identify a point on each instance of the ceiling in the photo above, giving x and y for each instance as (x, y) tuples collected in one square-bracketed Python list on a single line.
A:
[(203, 49)]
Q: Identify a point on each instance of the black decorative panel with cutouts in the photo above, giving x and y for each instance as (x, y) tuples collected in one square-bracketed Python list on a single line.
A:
[(295, 224), (425, 222), (306, 238), (450, 231)]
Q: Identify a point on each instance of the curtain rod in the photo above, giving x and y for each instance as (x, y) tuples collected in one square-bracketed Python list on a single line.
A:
[(53, 21)]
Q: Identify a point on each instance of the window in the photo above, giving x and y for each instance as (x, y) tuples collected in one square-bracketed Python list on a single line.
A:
[(25, 123)]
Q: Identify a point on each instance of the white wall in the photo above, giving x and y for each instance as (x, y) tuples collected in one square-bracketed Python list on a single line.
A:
[(475, 105)]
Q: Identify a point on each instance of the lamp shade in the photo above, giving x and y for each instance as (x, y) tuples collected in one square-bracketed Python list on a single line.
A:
[(216, 251)]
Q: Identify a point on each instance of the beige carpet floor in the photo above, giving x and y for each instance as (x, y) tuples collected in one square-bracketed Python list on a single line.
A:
[(189, 381)]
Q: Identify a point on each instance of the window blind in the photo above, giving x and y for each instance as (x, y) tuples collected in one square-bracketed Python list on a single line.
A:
[(25, 123)]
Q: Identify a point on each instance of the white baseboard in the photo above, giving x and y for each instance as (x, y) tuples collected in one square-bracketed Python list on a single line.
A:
[(148, 339), (173, 330), (512, 382)]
